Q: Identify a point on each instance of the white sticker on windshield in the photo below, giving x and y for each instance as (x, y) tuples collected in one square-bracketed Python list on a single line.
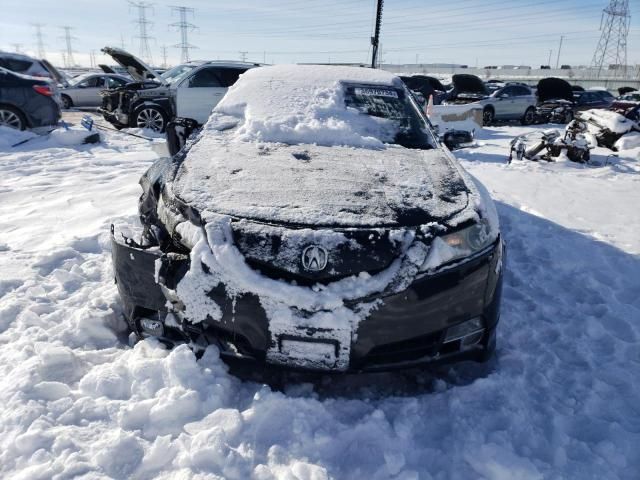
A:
[(375, 92)]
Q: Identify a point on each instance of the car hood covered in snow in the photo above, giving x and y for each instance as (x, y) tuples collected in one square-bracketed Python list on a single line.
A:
[(315, 185)]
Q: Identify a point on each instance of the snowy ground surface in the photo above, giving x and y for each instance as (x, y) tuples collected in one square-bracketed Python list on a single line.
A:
[(561, 400)]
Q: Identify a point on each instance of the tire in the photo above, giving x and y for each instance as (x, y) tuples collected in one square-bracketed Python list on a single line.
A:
[(529, 116), (488, 115), (12, 117), (67, 103), (150, 117)]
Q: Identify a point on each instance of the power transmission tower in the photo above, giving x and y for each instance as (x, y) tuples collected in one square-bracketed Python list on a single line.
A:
[(92, 58), (143, 32), (184, 27), (375, 40), (164, 56), (17, 47), (243, 56), (39, 40), (68, 57), (611, 51)]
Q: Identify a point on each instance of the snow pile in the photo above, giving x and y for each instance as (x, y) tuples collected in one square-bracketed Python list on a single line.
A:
[(613, 121), (297, 104), (630, 141), (11, 136)]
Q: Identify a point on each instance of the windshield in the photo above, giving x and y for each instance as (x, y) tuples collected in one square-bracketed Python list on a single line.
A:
[(408, 127), (176, 73)]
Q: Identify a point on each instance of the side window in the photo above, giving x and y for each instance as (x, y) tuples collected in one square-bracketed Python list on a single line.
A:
[(229, 76), (91, 82), (205, 78), (507, 91), (522, 91), (114, 82), (15, 65)]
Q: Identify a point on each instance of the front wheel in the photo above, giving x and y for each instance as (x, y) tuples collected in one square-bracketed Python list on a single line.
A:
[(487, 116), (12, 117), (150, 117), (529, 116)]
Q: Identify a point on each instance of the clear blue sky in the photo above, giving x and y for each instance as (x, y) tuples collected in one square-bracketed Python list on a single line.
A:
[(453, 31)]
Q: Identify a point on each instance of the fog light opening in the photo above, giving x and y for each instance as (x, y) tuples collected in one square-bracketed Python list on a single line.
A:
[(152, 327), (469, 333)]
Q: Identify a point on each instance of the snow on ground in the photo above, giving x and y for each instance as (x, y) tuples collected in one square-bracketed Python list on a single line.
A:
[(560, 400)]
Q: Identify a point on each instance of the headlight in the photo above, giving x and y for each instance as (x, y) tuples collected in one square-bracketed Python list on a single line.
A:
[(458, 245)]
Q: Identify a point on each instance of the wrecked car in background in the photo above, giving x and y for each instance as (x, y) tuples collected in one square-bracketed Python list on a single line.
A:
[(425, 86), (609, 126), (555, 101), (315, 222), (190, 90)]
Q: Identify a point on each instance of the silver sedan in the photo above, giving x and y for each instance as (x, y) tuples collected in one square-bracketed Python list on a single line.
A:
[(84, 90)]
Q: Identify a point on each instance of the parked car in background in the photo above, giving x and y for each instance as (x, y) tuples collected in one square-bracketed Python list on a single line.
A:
[(84, 90), (190, 90), (510, 101), (287, 221), (590, 99), (25, 65), (27, 102)]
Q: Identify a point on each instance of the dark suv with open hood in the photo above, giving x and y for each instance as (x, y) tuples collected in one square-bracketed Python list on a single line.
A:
[(315, 222), (190, 90)]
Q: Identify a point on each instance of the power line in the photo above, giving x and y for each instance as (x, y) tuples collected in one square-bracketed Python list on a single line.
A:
[(68, 57), (143, 33), (611, 50), (184, 27), (39, 40)]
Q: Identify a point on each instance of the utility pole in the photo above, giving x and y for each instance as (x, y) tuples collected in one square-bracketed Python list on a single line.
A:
[(164, 56), (184, 27), (122, 41), (39, 40), (143, 33), (92, 58), (243, 56), (559, 50), (68, 57), (550, 53), (612, 46), (375, 40), (17, 47)]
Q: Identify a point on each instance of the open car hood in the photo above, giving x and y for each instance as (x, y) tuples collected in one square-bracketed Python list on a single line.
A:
[(554, 89), (138, 70), (465, 83)]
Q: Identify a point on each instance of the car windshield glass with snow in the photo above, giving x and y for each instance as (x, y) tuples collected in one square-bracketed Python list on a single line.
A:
[(406, 126)]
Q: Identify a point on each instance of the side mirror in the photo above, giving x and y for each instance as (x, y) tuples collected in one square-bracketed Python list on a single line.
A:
[(178, 131), (455, 139)]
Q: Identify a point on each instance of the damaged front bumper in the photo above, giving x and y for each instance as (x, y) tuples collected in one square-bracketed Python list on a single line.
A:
[(445, 316)]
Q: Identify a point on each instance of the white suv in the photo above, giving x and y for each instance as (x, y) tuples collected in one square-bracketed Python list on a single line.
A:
[(190, 90)]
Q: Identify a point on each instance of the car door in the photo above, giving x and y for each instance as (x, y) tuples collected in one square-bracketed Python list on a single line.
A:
[(199, 93), (86, 93), (504, 103), (522, 99)]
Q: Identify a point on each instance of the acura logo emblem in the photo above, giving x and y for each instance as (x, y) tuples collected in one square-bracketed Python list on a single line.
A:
[(314, 258)]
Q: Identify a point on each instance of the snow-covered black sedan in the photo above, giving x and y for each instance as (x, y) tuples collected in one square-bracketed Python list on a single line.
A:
[(315, 222)]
